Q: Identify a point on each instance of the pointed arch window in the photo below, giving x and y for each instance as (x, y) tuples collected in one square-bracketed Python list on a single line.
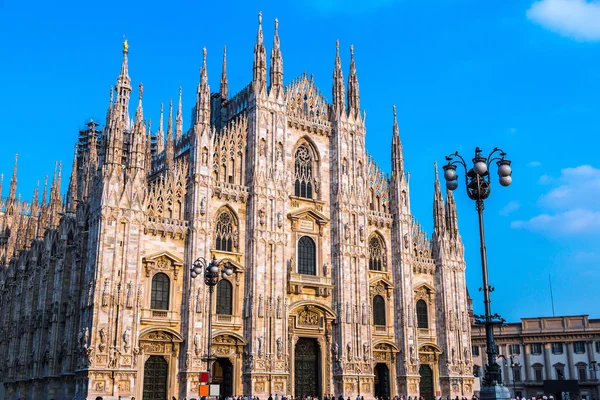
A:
[(307, 264), (159, 298), (422, 317), (376, 253), (303, 172), (224, 297), (225, 232), (378, 311)]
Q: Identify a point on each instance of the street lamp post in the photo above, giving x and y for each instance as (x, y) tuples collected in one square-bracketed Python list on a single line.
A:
[(477, 179), (514, 365), (212, 272)]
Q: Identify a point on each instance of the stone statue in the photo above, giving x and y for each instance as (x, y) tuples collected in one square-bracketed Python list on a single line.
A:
[(349, 351), (467, 355), (325, 270), (279, 220), (102, 345), (199, 301), (260, 306), (203, 206), (412, 354), (335, 350), (361, 233), (278, 310), (113, 357), (106, 293), (453, 355), (260, 346), (86, 336), (127, 340), (365, 351), (279, 344), (347, 231), (129, 301), (136, 352), (197, 343)]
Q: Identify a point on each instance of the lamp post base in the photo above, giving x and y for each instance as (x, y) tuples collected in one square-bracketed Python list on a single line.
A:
[(494, 392)]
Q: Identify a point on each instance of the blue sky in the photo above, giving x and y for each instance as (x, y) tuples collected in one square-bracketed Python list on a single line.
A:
[(520, 74)]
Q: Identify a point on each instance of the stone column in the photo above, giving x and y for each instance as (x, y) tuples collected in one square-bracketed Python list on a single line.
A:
[(547, 365), (570, 360), (526, 361)]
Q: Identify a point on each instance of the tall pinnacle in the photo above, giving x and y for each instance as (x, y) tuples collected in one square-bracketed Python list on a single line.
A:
[(12, 194), (353, 92), (259, 69), (439, 217), (160, 136), (123, 87), (203, 95), (170, 121), (224, 83), (179, 119), (397, 154), (339, 92), (72, 191), (276, 76), (451, 214), (170, 149), (139, 113)]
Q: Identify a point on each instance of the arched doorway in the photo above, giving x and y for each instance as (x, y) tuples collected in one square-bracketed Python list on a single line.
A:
[(426, 383), (222, 374), (382, 381), (155, 378), (307, 368)]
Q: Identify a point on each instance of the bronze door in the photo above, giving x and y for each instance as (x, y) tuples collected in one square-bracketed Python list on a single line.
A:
[(156, 371), (307, 377), (426, 384), (223, 376), (382, 381)]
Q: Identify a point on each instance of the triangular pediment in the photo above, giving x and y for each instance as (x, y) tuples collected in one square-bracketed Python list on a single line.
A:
[(309, 213), (424, 288), (387, 284), (305, 101), (153, 258)]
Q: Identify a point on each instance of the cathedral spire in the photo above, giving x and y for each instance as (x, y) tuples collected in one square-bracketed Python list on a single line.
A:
[(45, 193), (203, 95), (139, 113), (451, 214), (160, 136), (397, 154), (12, 194), (224, 83), (339, 92), (276, 76), (123, 87), (179, 119), (170, 151), (259, 69), (110, 105), (353, 92), (439, 217), (72, 191)]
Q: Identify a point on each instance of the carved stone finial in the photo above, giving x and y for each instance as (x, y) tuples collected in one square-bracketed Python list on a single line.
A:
[(260, 19)]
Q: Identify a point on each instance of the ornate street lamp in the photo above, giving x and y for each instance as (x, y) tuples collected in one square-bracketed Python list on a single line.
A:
[(213, 271), (477, 180)]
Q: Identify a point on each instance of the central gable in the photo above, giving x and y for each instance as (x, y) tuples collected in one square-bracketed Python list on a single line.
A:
[(305, 101)]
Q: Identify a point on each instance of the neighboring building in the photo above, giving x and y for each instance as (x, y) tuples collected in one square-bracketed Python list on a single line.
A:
[(559, 349), (335, 289)]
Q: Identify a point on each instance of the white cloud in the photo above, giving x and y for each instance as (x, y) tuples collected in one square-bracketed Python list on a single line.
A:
[(534, 164), (545, 180), (510, 208), (571, 205), (576, 19)]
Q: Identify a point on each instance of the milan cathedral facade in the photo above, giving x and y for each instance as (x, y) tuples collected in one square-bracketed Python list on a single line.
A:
[(335, 287)]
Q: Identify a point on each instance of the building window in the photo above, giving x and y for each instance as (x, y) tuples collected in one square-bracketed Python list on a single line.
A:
[(307, 256), (422, 319), (225, 232), (159, 299), (378, 311), (224, 297), (375, 254), (536, 348), (517, 374), (303, 172), (538, 373), (515, 349), (557, 348), (579, 347), (475, 351), (597, 347), (582, 372), (560, 372)]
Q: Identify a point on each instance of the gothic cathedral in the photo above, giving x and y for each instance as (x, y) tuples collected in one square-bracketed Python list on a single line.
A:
[(335, 287)]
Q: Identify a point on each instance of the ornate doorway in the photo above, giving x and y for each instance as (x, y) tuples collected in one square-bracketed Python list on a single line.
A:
[(426, 384), (155, 378), (382, 381), (223, 375), (307, 368)]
